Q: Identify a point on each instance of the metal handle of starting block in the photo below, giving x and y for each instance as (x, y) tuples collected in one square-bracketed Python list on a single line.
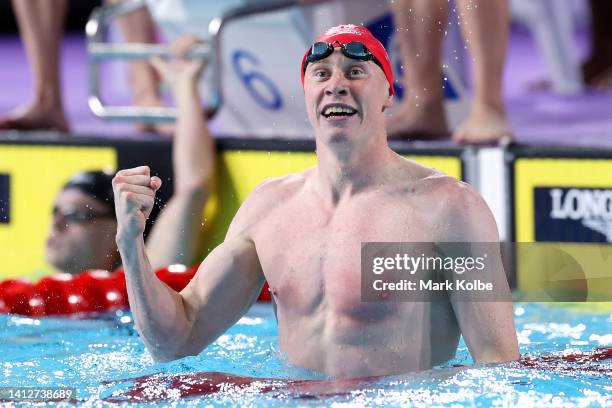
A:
[(99, 50), (139, 51)]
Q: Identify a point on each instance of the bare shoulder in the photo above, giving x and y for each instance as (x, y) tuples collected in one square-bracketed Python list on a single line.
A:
[(462, 213), (428, 181), (458, 197), (264, 200)]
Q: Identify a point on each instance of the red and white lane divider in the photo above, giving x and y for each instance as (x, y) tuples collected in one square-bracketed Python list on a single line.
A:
[(89, 291)]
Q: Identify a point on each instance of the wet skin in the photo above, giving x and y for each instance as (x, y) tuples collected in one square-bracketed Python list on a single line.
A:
[(303, 233)]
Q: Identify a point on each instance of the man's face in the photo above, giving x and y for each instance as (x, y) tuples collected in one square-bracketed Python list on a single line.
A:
[(345, 98), (82, 234)]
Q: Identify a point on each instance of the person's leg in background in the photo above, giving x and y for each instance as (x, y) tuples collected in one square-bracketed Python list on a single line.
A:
[(421, 25), (138, 27), (597, 69), (41, 26), (485, 26)]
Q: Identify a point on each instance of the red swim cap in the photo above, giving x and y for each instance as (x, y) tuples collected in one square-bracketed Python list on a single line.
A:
[(345, 34)]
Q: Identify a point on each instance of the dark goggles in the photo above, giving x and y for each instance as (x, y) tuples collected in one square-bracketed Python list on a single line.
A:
[(354, 50), (80, 217)]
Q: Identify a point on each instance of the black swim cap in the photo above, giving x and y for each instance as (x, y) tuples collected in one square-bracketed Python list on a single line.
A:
[(95, 183)]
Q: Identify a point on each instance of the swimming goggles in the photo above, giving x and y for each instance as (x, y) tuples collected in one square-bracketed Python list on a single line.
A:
[(80, 217), (354, 50)]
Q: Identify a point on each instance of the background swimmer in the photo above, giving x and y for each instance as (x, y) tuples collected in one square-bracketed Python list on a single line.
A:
[(83, 230)]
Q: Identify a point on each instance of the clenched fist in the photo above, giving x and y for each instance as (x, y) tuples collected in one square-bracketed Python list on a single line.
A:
[(134, 198)]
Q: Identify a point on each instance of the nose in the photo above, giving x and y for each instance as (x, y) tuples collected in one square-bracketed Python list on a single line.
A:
[(337, 84)]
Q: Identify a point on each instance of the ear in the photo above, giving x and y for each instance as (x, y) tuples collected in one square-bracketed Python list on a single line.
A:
[(388, 102)]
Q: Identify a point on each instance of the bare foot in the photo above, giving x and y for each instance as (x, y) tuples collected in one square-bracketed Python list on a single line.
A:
[(483, 126), (417, 122), (36, 117)]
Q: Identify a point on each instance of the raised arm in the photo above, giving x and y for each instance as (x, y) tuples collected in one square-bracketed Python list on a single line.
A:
[(486, 323), (174, 325), (177, 233)]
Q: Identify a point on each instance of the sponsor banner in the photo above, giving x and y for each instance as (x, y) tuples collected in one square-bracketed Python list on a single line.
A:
[(562, 199), (573, 214), (477, 272)]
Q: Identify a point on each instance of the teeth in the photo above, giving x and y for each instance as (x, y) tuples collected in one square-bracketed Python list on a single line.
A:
[(338, 110)]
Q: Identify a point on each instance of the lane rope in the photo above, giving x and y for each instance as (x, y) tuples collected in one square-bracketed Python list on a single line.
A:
[(89, 291)]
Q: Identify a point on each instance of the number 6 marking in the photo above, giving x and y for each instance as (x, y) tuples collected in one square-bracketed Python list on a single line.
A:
[(272, 100)]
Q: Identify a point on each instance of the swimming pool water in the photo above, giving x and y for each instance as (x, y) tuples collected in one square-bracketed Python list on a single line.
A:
[(97, 355)]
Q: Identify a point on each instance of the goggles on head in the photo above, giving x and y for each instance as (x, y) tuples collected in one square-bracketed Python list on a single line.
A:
[(354, 50)]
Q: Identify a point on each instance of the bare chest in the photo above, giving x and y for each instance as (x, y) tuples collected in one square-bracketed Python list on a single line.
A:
[(312, 257)]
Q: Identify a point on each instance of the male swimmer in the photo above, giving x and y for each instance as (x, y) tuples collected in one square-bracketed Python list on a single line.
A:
[(83, 226), (303, 233)]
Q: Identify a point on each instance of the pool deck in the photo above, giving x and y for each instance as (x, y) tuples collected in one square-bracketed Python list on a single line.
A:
[(539, 117)]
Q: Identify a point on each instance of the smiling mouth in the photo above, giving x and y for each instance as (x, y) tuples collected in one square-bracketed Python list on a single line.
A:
[(338, 110)]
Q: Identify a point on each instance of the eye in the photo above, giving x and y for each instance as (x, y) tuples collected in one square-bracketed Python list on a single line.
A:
[(320, 73), (356, 71)]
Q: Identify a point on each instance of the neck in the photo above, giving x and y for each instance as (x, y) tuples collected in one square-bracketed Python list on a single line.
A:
[(345, 168)]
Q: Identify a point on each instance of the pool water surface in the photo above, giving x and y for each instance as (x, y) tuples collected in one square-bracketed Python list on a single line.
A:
[(105, 360)]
